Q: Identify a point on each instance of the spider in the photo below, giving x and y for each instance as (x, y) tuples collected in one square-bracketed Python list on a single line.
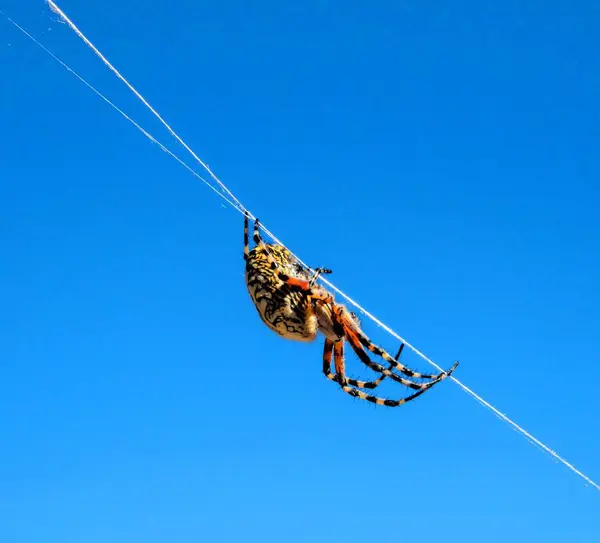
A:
[(291, 304)]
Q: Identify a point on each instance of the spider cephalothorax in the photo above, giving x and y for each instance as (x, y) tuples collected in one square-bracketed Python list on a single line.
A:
[(290, 302)]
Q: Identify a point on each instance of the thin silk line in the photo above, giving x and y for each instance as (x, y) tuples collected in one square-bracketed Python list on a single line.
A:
[(142, 130), (241, 208), (59, 12)]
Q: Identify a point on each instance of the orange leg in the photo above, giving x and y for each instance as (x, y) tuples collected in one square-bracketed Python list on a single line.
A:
[(348, 385), (356, 337), (328, 352)]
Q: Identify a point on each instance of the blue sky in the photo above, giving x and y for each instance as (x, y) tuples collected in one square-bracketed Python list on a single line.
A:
[(441, 157)]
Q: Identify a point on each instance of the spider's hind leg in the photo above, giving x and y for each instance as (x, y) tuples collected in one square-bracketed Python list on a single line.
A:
[(376, 367), (350, 386), (357, 339), (340, 375), (375, 349)]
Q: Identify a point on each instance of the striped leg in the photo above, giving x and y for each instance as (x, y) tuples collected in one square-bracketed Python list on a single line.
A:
[(317, 274), (340, 375), (364, 340), (350, 331), (327, 356), (336, 349), (364, 358), (246, 237)]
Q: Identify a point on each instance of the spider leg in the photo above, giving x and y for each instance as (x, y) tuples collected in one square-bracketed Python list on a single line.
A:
[(364, 358), (375, 349), (318, 272), (335, 350), (351, 332), (386, 401), (246, 237), (340, 369), (327, 356)]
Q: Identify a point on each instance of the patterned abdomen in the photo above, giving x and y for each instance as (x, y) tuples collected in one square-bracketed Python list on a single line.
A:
[(285, 310)]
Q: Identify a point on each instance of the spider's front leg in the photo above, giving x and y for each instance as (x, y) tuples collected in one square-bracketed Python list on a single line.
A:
[(246, 236), (317, 274)]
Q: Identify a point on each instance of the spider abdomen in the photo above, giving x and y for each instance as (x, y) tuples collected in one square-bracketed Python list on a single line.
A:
[(286, 311)]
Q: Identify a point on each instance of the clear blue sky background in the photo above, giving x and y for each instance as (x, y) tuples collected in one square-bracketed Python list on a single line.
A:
[(441, 157)]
